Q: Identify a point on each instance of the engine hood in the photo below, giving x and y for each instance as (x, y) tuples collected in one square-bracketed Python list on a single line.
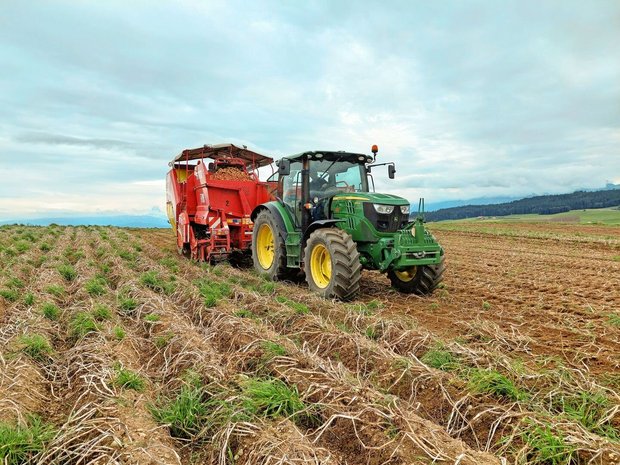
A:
[(373, 197)]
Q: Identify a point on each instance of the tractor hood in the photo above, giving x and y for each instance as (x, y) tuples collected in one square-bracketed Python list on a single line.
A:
[(373, 197)]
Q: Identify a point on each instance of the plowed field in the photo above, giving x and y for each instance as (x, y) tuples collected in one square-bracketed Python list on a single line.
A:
[(116, 350)]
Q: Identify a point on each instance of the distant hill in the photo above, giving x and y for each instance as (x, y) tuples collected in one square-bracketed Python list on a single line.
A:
[(136, 221), (542, 205)]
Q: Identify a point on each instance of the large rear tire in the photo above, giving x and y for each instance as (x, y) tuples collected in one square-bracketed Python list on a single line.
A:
[(268, 247), (332, 264), (420, 280)]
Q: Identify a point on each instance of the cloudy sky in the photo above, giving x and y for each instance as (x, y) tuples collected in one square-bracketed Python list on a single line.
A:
[(470, 98)]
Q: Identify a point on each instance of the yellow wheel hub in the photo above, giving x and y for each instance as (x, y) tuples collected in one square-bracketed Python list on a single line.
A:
[(265, 246), (406, 275), (321, 266)]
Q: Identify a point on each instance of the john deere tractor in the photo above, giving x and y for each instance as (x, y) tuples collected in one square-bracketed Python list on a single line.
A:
[(329, 223)]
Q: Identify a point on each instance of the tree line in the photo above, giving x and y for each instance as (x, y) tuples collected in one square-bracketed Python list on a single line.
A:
[(542, 205)]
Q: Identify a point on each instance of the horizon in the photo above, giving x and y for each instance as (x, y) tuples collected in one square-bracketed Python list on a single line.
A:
[(472, 100)]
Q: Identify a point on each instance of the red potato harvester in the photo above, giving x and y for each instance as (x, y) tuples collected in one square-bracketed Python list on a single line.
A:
[(209, 204)]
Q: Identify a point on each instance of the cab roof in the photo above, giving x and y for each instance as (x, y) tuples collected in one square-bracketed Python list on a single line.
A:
[(331, 155), (222, 151)]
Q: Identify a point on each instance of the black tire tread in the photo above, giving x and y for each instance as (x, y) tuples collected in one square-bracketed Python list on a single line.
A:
[(425, 281), (346, 266)]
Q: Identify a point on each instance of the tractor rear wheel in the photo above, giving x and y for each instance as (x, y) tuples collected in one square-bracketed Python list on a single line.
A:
[(420, 280), (268, 247), (332, 264)]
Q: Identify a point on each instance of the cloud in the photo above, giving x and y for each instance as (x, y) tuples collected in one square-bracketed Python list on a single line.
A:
[(470, 99)]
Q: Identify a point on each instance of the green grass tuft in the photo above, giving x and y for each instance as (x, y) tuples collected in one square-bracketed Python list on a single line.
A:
[(81, 324), (35, 346), (271, 350), (102, 313), (271, 398), (152, 318), (127, 304), (50, 311), (67, 272), (19, 443), (9, 294), (119, 333), (96, 286), (163, 340), (494, 383), (300, 308), (154, 281), (212, 291), (547, 447), (29, 299), (614, 319), (127, 379), (440, 359), (55, 290)]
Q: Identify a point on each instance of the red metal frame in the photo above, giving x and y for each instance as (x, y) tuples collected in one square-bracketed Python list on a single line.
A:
[(211, 216)]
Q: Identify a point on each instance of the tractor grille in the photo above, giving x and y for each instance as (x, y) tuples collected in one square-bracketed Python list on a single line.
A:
[(386, 223)]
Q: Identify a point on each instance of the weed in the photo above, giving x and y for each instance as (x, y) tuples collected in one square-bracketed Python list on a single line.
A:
[(163, 340), (127, 379), (486, 305), (35, 346), (434, 306), (212, 291), (546, 446), (614, 319), (271, 350), (152, 318), (19, 443), (95, 286), (494, 383), (50, 311), (440, 359), (45, 247), (56, 290), (22, 246), (127, 304), (81, 324), (29, 299), (244, 313), (15, 283), (271, 398), (152, 280), (9, 294), (101, 313), (9, 252), (67, 272), (587, 408), (374, 305), (119, 333), (170, 263), (297, 306), (185, 413), (372, 332)]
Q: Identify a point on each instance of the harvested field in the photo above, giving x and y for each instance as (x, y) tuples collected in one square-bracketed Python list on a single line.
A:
[(116, 350)]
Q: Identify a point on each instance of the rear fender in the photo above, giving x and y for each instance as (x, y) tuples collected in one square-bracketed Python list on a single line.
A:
[(318, 225)]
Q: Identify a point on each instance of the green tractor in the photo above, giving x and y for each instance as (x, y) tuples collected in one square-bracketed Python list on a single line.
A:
[(327, 222)]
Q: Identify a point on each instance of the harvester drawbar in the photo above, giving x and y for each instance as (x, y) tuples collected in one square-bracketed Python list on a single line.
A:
[(317, 215)]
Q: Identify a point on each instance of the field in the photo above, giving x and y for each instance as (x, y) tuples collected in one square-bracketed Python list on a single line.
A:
[(116, 350), (607, 216)]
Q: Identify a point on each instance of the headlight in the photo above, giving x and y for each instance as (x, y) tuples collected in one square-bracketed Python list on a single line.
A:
[(404, 210), (383, 209)]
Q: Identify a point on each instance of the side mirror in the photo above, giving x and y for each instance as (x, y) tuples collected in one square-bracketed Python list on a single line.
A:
[(391, 171), (284, 167)]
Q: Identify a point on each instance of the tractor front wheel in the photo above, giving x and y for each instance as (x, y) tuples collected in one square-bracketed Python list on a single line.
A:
[(332, 264), (268, 248), (420, 280)]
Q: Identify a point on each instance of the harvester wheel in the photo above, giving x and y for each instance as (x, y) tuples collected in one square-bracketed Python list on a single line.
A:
[(185, 251), (420, 280), (268, 248), (332, 264)]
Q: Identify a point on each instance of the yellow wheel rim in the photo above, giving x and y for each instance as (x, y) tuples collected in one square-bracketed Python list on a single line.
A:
[(265, 246), (406, 275), (321, 266)]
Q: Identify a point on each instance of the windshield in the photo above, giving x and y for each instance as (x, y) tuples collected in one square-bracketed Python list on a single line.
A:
[(328, 178)]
